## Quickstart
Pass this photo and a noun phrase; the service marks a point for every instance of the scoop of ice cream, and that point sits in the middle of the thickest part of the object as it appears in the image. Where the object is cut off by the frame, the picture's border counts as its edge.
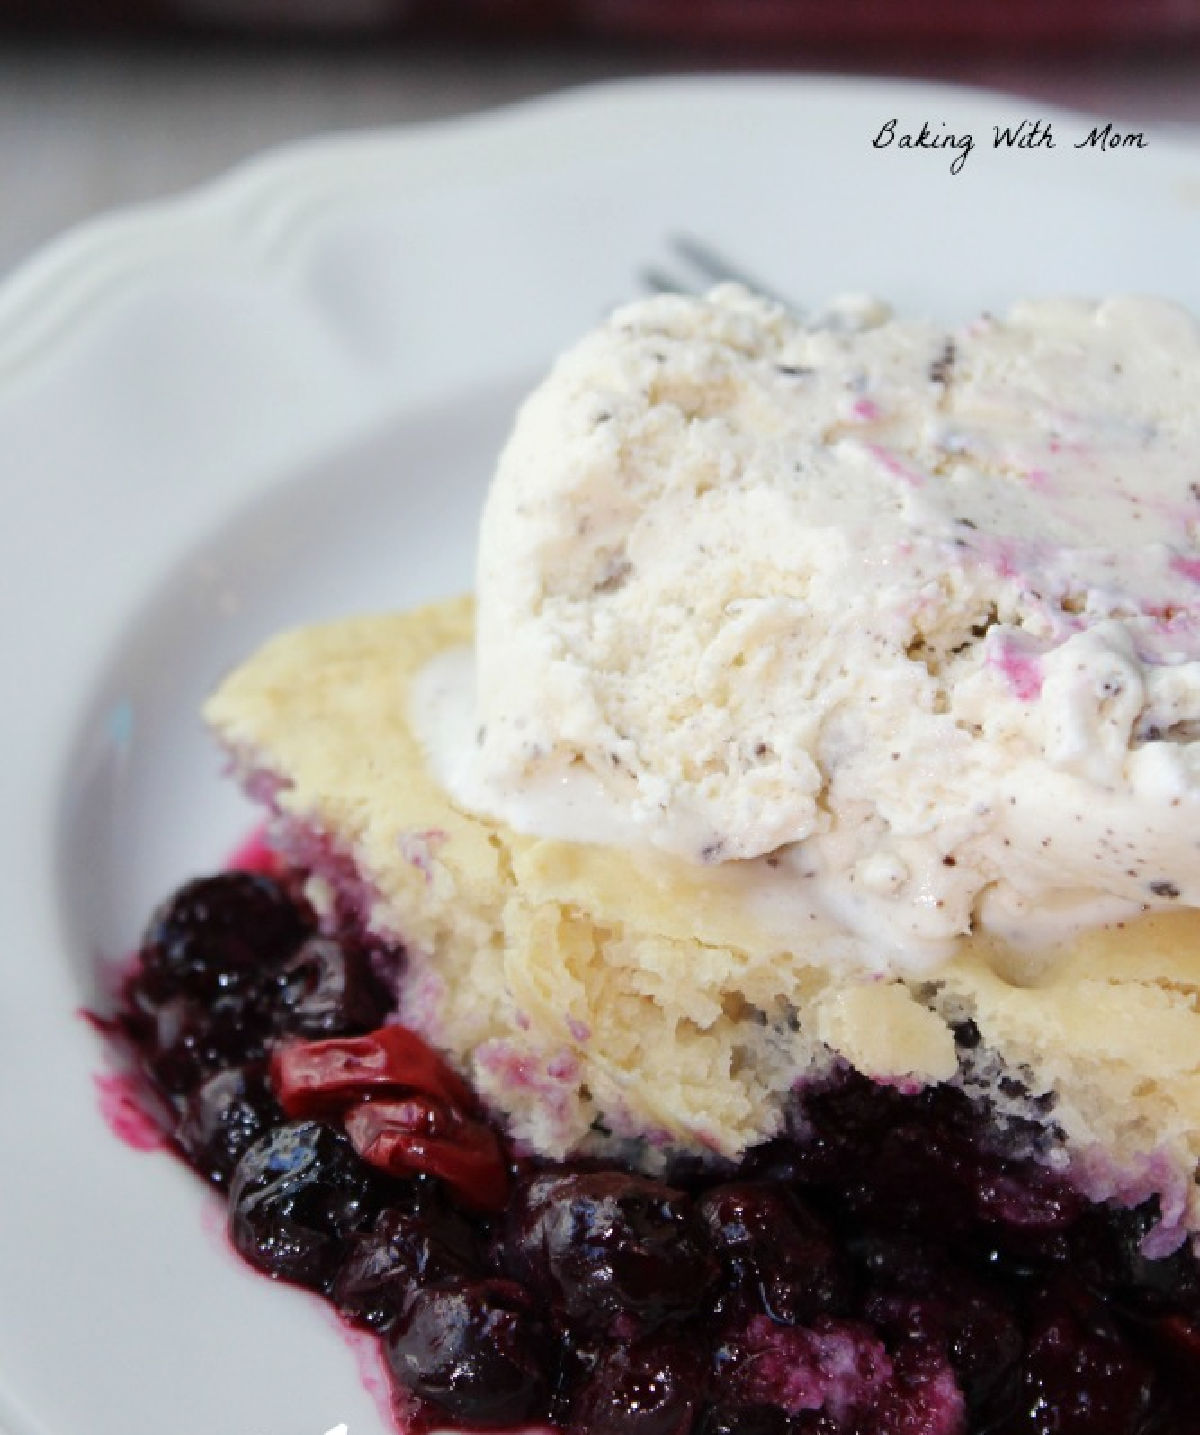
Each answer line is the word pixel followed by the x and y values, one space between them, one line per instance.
pixel 906 622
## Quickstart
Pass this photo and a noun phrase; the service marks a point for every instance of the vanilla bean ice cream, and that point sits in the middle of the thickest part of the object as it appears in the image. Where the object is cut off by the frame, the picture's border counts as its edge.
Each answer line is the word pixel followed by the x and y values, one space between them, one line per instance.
pixel 905 623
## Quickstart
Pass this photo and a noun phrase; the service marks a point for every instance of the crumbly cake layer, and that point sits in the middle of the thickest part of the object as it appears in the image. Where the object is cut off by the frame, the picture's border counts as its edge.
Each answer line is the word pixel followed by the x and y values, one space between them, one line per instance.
pixel 594 995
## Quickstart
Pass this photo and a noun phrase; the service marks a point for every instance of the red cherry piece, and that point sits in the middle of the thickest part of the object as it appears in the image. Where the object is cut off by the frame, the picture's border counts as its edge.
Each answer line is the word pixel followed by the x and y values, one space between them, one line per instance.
pixel 419 1134
pixel 321 1078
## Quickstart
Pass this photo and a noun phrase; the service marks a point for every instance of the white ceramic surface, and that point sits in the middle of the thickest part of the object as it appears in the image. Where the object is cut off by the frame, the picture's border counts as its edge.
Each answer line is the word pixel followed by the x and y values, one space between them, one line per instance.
pixel 278 400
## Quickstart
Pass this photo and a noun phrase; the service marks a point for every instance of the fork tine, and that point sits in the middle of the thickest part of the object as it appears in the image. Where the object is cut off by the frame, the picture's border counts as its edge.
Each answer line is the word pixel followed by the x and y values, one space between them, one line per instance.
pixel 719 270
pixel 658 281
pixel 709 268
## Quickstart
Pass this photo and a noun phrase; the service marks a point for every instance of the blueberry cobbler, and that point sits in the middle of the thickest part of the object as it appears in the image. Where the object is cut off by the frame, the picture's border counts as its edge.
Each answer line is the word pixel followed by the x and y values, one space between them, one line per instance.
pixel 739 973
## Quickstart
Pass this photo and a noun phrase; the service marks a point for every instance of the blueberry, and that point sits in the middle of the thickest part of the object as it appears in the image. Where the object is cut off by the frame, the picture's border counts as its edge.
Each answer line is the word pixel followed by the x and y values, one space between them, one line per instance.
pixel 921 1180
pixel 1028 1199
pixel 819 1422
pixel 217 933
pixel 296 1197
pixel 775 1247
pixel 915 1296
pixel 476 1350
pixel 729 1419
pixel 224 1116
pixel 921 1398
pixel 403 1251
pixel 1176 1342
pixel 1107 1250
pixel 1080 1376
pixel 327 988
pixel 983 1342
pixel 607 1244
pixel 890 1159
pixel 188 1039
pixel 653 1386
pixel 832 1364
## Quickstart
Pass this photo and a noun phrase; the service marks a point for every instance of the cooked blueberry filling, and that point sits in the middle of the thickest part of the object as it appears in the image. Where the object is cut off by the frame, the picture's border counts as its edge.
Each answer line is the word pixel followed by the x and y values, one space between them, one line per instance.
pixel 892 1267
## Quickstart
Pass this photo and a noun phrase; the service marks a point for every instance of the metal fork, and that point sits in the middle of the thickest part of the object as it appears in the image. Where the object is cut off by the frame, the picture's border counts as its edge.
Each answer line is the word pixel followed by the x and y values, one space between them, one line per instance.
pixel 703 266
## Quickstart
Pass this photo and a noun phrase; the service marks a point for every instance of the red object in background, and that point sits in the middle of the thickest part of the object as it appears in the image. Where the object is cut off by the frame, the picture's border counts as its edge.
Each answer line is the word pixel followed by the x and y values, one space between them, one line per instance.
pixel 764 22
pixel 765 26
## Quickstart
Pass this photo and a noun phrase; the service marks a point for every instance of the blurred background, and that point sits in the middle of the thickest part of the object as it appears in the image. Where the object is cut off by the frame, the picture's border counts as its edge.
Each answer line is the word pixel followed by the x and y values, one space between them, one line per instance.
pixel 107 102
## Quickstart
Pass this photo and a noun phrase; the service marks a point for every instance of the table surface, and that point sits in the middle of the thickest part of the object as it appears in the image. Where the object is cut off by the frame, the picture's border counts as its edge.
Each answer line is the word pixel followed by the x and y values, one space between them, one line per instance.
pixel 84 129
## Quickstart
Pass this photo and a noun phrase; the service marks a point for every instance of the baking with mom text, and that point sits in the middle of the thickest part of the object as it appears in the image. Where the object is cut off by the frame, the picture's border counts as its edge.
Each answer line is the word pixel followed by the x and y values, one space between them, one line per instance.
pixel 1035 134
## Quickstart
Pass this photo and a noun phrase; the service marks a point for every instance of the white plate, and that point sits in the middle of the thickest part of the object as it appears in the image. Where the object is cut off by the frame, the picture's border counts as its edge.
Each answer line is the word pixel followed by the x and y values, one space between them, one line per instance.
pixel 280 399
